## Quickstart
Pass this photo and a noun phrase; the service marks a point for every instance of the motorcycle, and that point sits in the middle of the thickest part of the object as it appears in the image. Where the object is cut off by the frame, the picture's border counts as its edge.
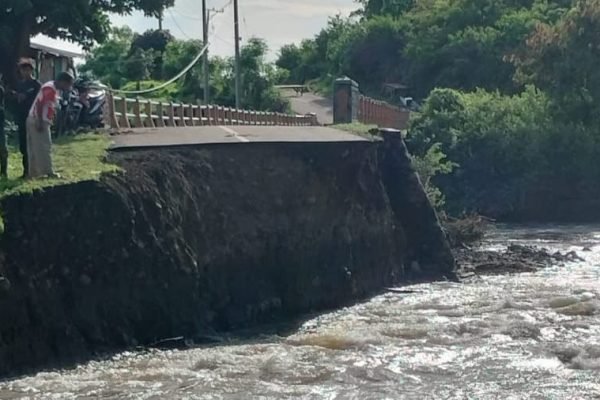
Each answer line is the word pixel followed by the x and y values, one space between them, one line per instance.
pixel 82 107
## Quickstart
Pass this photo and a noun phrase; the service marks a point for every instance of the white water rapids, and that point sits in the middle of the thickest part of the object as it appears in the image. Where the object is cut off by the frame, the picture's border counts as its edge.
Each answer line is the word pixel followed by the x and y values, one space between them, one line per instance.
pixel 527 336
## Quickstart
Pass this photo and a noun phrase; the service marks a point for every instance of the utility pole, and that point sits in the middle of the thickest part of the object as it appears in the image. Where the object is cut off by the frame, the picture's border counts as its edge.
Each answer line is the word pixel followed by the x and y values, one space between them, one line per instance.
pixel 236 22
pixel 205 70
pixel 160 20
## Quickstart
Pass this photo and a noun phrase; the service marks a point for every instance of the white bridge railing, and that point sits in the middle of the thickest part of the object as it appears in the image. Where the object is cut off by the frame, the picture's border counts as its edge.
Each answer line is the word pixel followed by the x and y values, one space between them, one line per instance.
pixel 125 113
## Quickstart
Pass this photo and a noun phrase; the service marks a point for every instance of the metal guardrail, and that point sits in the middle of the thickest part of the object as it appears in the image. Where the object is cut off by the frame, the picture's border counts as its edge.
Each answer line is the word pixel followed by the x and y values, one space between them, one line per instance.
pixel 380 113
pixel 125 113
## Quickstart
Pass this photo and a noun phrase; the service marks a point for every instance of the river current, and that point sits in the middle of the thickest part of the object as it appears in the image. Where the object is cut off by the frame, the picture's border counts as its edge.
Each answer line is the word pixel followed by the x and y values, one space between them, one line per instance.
pixel 526 336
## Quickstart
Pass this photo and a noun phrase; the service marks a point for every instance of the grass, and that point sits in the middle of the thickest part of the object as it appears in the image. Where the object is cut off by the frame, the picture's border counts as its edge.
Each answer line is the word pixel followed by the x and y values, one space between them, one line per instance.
pixel 358 129
pixel 75 158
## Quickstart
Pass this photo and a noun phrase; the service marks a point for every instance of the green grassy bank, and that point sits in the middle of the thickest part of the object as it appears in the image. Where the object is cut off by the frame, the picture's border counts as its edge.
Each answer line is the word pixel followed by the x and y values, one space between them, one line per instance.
pixel 76 158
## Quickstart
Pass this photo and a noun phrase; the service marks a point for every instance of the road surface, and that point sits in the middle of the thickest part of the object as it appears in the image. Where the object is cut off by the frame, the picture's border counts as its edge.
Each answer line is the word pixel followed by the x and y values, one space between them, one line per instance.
pixel 311 103
pixel 175 136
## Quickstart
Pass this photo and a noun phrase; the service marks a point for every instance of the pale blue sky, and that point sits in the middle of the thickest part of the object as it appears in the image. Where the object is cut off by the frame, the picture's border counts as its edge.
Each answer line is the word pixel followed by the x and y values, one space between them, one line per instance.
pixel 277 21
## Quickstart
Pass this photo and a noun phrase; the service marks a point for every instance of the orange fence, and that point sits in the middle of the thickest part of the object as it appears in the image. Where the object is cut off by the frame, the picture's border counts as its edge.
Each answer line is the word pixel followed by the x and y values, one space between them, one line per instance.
pixel 124 113
pixel 385 115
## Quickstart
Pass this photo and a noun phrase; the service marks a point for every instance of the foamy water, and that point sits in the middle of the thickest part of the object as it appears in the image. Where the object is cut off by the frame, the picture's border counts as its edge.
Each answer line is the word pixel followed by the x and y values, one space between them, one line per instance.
pixel 528 336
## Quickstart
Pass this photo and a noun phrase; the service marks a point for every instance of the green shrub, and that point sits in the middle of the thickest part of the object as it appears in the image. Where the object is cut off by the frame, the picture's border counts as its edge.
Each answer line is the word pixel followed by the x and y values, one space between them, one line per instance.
pixel 169 93
pixel 513 158
pixel 433 163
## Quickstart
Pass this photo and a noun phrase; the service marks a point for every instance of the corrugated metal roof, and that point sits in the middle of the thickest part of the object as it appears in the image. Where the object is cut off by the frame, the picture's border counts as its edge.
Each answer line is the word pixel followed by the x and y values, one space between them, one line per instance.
pixel 54 50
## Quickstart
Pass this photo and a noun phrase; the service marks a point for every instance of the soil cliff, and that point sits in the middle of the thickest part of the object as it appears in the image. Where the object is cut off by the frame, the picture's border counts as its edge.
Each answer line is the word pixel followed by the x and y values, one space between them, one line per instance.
pixel 189 241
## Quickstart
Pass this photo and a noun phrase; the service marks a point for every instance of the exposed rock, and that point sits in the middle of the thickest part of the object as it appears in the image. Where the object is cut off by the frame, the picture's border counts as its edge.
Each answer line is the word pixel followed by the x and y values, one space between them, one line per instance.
pixel 466 230
pixel 515 259
pixel 171 343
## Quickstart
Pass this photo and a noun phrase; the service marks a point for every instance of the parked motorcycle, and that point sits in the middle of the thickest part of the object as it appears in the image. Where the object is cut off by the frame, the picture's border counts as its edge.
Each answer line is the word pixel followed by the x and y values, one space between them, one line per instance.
pixel 82 107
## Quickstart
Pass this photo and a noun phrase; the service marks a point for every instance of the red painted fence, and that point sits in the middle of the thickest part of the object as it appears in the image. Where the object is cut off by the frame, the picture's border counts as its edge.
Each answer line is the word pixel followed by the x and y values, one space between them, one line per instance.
pixel 382 114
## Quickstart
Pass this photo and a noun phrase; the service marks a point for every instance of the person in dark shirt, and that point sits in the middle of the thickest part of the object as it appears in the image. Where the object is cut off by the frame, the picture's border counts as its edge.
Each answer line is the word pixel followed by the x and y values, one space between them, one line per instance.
pixel 3 145
pixel 27 90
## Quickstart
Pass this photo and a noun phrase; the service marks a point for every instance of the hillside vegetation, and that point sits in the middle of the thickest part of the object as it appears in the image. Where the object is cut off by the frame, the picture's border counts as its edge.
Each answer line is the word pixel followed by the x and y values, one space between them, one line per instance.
pixel 510 92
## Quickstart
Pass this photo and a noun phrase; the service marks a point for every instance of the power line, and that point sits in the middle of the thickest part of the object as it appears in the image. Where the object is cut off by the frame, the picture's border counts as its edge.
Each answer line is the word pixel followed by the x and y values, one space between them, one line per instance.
pixel 167 83
pixel 174 79
pixel 224 6
pixel 228 42
pixel 212 32
pixel 177 25
pixel 193 17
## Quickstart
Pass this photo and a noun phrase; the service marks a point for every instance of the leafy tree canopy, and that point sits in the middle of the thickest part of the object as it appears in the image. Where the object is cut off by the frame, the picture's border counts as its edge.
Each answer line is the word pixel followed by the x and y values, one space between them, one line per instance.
pixel 153 39
pixel 563 60
pixel 79 21
pixel 371 8
pixel 106 61
pixel 122 62
pixel 462 44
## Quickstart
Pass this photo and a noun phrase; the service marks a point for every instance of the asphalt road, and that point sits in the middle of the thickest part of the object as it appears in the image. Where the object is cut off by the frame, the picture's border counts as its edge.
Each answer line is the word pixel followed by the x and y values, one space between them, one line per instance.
pixel 311 103
pixel 164 137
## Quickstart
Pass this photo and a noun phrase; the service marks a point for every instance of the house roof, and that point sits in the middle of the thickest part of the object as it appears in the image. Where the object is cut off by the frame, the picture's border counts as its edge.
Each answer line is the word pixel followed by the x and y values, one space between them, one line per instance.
pixel 55 50
pixel 395 86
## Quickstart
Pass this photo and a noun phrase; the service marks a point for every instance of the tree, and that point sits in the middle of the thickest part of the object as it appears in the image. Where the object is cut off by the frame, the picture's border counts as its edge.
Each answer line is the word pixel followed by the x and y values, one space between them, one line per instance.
pixel 321 58
pixel 177 56
pixel 153 39
pixel 122 64
pixel 157 41
pixel 83 22
pixel 138 65
pixel 462 44
pixel 371 8
pixel 290 59
pixel 303 62
pixel 258 78
pixel 106 61
pixel 563 60
pixel 514 155
pixel 374 55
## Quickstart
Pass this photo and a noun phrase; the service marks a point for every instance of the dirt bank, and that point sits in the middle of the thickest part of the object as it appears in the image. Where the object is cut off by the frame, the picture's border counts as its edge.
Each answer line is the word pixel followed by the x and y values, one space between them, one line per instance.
pixel 192 241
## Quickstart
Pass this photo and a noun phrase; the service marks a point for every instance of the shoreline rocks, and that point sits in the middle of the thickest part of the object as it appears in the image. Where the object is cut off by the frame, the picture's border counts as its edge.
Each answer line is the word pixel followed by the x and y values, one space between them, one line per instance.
pixel 514 259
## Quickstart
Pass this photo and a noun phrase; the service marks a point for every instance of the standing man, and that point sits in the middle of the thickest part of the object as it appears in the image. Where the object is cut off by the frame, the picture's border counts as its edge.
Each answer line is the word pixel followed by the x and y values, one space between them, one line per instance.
pixel 39 121
pixel 27 88
pixel 3 145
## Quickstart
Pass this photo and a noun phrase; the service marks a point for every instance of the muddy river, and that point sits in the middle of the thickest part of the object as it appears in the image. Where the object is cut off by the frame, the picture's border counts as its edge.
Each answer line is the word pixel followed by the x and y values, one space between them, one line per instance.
pixel 528 336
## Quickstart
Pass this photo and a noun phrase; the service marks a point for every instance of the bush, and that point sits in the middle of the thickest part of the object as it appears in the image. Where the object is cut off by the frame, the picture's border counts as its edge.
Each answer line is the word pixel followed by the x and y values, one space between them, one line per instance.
pixel 169 93
pixel 433 163
pixel 514 159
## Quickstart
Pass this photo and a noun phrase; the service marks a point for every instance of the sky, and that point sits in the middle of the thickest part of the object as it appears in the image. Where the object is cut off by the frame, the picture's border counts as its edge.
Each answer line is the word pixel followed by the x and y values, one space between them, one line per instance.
pixel 278 21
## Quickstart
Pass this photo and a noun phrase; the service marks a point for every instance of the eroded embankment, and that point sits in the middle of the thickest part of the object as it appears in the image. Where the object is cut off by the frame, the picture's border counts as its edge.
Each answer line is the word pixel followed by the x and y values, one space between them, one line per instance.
pixel 193 240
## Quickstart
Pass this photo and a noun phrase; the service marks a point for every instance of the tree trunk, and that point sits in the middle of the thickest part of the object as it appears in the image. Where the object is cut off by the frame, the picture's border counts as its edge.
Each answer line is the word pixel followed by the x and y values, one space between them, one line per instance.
pixel 21 40
pixel 6 62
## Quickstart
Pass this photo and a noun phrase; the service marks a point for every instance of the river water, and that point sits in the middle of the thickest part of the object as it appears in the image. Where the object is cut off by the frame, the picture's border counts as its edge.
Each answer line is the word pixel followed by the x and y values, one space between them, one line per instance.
pixel 528 336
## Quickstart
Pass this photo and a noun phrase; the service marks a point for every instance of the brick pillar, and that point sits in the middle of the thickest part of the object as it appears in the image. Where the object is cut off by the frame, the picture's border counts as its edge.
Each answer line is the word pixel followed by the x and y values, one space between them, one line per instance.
pixel 345 101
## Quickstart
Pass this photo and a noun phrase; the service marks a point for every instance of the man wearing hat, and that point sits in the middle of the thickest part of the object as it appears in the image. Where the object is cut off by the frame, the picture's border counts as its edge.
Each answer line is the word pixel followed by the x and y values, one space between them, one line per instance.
pixel 26 90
